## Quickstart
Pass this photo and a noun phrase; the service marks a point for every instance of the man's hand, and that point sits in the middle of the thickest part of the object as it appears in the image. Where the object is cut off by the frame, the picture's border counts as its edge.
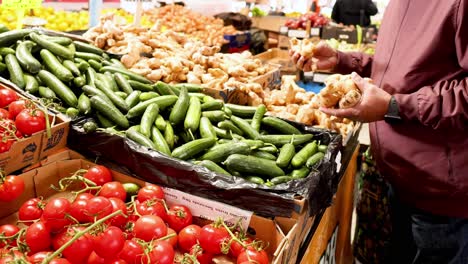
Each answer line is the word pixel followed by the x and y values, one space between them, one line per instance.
pixel 325 58
pixel 372 107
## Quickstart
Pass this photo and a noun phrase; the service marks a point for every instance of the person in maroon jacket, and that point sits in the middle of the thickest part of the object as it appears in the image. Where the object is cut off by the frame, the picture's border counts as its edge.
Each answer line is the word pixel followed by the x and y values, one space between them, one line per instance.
pixel 418 114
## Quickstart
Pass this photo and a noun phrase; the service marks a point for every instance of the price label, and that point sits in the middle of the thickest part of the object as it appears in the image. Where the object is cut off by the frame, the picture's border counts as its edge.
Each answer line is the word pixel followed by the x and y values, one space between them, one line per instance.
pixel 298 34
pixel 315 31
pixel 283 30
pixel 21 4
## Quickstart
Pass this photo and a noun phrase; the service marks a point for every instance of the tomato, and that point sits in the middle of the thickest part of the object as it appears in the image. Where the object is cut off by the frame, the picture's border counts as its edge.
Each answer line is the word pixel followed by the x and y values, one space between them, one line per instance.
pixel 8 231
pixel 113 189
pixel 38 257
pixel 7 96
pixel 5 143
pixel 59 261
pixel 188 237
pixel 95 259
pixel 211 238
pixel 15 108
pixel 11 187
pixel 203 257
pixel 99 175
pixel 84 196
pixel 161 253
pixel 4 113
pixel 30 121
pixel 55 214
pixel 38 237
pixel 79 250
pixel 150 192
pixel 116 261
pixel 172 240
pixel 179 216
pixel 151 207
pixel 7 125
pixel 149 227
pixel 109 243
pixel 31 210
pixel 78 210
pixel 132 252
pixel 236 248
pixel 12 256
pixel 121 219
pixel 251 255
pixel 98 207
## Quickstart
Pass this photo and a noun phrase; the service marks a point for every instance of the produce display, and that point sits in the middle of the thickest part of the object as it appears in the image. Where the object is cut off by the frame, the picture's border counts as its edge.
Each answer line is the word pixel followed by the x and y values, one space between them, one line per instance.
pixel 315 19
pixel 340 91
pixel 106 221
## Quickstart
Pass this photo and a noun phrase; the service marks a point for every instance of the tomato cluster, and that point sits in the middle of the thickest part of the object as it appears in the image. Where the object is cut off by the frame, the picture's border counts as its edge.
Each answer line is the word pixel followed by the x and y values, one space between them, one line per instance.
pixel 18 118
pixel 101 225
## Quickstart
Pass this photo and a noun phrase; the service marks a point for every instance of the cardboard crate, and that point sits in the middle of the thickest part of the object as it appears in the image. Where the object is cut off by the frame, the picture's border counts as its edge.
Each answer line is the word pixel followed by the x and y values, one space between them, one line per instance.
pixel 30 150
pixel 279 233
pixel 280 57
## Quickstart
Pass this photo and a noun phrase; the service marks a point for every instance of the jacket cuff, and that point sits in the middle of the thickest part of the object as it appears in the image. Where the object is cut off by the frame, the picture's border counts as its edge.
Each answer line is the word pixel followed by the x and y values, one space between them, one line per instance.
pixel 408 106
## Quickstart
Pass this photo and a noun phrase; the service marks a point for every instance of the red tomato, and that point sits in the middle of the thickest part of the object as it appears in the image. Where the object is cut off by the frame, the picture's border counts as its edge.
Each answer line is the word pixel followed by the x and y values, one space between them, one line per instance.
pixel 121 219
pixel 7 124
pixel 179 216
pixel 30 121
pixel 84 196
pixel 150 192
pixel 8 231
pixel 38 257
pixel 203 257
pixel 113 189
pixel 59 261
pixel 98 207
pixel 109 243
pixel 172 240
pixel 117 261
pixel 55 214
pixel 79 250
pixel 235 249
pixel 31 210
pixel 151 207
pixel 161 253
pixel 251 255
pixel 211 238
pixel 5 144
pixel 95 259
pixel 4 114
pixel 149 227
pixel 98 174
pixel 38 237
pixel 15 108
pixel 6 97
pixel 188 237
pixel 78 210
pixel 12 256
pixel 132 252
pixel 11 187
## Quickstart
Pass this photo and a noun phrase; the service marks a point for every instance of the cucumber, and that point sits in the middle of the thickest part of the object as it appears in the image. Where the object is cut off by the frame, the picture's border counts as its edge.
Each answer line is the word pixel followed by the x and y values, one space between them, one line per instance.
pixel 227 111
pixel 242 110
pixel 162 101
pixel 280 126
pixel 91 76
pixel 72 112
pixel 300 173
pixel 221 133
pixel 322 148
pixel 46 93
pixel 208 98
pixel 206 128
pixel 109 111
pixel 133 99
pixel 258 116
pixel 163 88
pixel 190 149
pixel 148 95
pixel 26 59
pixel 280 140
pixel 95 64
pixel 105 123
pixel 92 91
pixel 121 94
pixel 179 111
pixel 280 179
pixel 263 155
pixel 169 135
pixel 212 105
pixel 314 159
pixel 160 123
pixel 255 179
pixel 192 119
pixel 3 67
pixel 245 127
pixel 191 88
pixel 71 66
pixel 133 134
pixel 270 149
pixel 85 47
pixel 116 100
pixel 109 78
pixel 122 83
pixel 305 153
pixel 10 37
pixel 229 126
pixel 219 153
pixel 55 67
pixel 136 85
pixel 59 40
pixel 254 144
pixel 131 75
pixel 159 141
pixel 286 154
pixel 197 95
pixel 214 116
pixel 84 104
pixel 252 165
pixel 5 51
pixel 62 91
pixel 54 48
pixel 90 127
pixel 212 167
pixel 117 63
pixel 15 71
pixel 32 85
pixel 88 56
pixel 148 118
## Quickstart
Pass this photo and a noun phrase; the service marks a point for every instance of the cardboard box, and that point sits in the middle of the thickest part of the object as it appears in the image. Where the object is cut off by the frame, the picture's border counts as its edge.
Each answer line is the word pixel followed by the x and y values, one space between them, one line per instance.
pixel 277 233
pixel 280 57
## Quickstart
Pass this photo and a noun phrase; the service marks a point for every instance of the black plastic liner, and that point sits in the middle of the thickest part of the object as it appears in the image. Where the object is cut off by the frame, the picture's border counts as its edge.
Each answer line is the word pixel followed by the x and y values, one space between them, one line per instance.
pixel 152 166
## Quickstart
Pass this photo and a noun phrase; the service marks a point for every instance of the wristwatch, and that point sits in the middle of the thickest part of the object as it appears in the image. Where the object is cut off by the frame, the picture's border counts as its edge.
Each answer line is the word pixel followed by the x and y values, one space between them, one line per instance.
pixel 393 112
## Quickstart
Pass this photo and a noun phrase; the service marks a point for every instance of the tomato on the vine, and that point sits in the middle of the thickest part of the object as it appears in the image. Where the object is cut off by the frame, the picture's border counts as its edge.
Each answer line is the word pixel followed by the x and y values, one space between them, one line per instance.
pixel 15 108
pixel 11 187
pixel 98 207
pixel 38 237
pixel 113 189
pixel 7 96
pixel 212 237
pixel 55 214
pixel 150 192
pixel 8 231
pixel 38 257
pixel 59 261
pixel 132 252
pixel 161 253
pixel 109 243
pixel 121 219
pixel 203 257
pixel 252 255
pixel 5 143
pixel 94 258
pixel 179 216
pixel 149 227
pixel 188 237
pixel 79 250
pixel 31 210
pixel 99 175
pixel 173 239
pixel 78 210
pixel 4 113
pixel 84 196
pixel 30 121
pixel 236 248
pixel 151 207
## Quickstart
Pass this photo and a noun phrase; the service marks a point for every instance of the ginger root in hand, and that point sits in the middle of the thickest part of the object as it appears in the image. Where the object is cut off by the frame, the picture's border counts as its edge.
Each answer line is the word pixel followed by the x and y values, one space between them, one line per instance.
pixel 341 91
pixel 304 47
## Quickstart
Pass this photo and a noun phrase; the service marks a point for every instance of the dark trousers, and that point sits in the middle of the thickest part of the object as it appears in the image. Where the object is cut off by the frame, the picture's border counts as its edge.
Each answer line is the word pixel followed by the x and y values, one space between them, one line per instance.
pixel 421 237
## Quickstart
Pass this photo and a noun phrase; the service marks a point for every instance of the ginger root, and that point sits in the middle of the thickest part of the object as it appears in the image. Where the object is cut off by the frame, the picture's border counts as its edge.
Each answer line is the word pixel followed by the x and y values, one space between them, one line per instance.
pixel 341 91
pixel 305 47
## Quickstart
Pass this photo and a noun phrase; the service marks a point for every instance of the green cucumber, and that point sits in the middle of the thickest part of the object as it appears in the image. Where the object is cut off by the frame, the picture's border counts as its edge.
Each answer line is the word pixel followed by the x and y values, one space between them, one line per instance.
pixel 192 148
pixel 159 141
pixel 93 91
pixel 169 135
pixel 148 95
pixel 304 154
pixel 270 149
pixel 72 112
pixel 117 63
pixel 55 67
pixel 315 159
pixel 179 111
pixel 95 64
pixel 133 99
pixel 116 100
pixel 285 156
pixel 148 118
pixel 46 93
pixel 280 179
pixel 280 140
pixel 191 88
pixel 300 173
pixel 162 101
pixel 322 148
pixel 133 134
pixel 252 165
pixel 109 78
pixel 71 66
pixel 210 165
pixel 54 48
pixel 84 104
pixel 263 155
pixel 254 144
pixel 62 91
pixel 121 94
pixel 219 153
pixel 59 40
pixel 255 179
pixel 280 126
pixel 221 133
pixel 88 56
pixel 26 59
pixel 245 127
pixel 79 81
pixel 192 119
pixel 10 37
pixel 215 115
pixel 206 128
pixel 105 123
pixel 212 105
pixel 123 83
pixel 15 71
pixel 160 123
pixel 32 85
pixel 258 116
pixel 109 111
pixel 85 47
pixel 163 88
pixel 131 75
pixel 140 86
pixel 5 51
pixel 242 110
pixel 229 126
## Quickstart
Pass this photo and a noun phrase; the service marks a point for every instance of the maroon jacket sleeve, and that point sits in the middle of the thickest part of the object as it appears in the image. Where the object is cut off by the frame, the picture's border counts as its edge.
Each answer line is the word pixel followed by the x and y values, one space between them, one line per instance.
pixel 358 62
pixel 443 105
